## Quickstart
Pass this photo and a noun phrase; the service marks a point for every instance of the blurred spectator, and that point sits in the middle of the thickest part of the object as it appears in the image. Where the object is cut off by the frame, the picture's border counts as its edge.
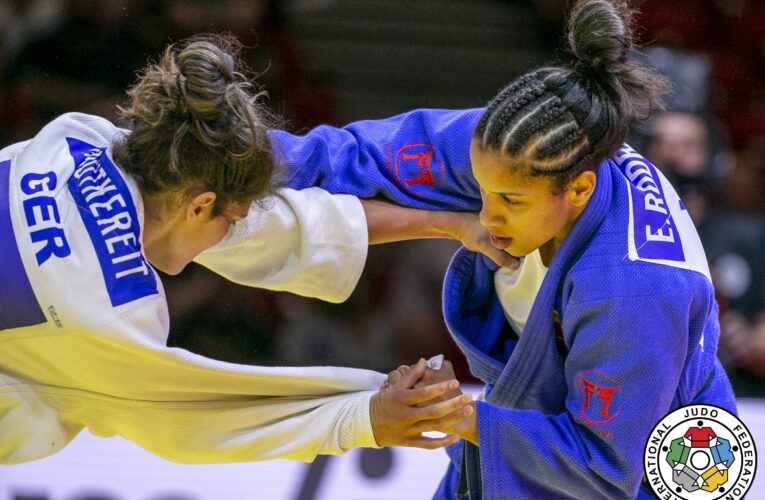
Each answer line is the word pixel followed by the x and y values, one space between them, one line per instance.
pixel 678 143
pixel 723 194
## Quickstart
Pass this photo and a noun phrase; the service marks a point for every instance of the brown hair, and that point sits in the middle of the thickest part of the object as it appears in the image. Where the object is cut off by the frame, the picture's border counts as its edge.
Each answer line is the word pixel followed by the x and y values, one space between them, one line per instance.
pixel 196 123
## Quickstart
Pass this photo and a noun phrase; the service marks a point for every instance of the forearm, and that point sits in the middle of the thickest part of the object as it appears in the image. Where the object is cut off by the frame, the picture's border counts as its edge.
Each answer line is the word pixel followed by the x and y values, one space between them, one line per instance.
pixel 247 430
pixel 387 223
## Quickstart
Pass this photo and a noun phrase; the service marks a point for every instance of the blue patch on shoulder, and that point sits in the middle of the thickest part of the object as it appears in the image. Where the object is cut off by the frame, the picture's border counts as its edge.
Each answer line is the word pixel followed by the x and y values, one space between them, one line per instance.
pixel 656 234
pixel 107 210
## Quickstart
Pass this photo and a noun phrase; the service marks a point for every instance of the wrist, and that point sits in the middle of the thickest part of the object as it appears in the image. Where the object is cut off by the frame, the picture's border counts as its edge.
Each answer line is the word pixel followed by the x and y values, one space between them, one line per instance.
pixel 374 411
pixel 454 225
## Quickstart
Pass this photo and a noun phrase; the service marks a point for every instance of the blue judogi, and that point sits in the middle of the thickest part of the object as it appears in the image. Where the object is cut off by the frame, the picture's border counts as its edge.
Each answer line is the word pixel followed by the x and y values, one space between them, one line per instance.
pixel 623 330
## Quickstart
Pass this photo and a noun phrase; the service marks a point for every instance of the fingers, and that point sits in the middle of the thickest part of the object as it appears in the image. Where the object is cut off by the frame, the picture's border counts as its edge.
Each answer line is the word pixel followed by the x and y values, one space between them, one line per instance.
pixel 429 392
pixel 445 423
pixel 443 408
pixel 395 375
pixel 414 374
pixel 429 443
pixel 502 258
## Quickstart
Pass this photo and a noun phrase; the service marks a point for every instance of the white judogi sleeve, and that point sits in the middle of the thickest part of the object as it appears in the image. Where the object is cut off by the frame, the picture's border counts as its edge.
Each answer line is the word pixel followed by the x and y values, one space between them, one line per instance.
pixel 308 242
pixel 84 320
pixel 177 405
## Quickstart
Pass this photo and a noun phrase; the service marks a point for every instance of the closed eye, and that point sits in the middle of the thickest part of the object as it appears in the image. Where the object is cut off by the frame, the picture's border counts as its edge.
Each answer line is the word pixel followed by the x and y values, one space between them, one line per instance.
pixel 510 201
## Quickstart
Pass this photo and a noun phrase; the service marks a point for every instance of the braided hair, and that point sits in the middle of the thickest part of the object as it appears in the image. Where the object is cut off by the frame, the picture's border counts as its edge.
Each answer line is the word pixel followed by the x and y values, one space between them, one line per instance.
pixel 563 119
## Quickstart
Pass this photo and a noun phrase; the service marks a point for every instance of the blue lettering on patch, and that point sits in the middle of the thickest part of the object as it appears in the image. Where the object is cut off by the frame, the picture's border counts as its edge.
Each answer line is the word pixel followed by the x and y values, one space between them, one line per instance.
pixel 656 234
pixel 42 217
pixel 18 303
pixel 107 209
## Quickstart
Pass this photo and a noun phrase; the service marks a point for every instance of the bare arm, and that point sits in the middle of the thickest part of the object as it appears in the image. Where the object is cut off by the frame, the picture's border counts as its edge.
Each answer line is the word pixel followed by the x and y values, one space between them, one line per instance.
pixel 387 223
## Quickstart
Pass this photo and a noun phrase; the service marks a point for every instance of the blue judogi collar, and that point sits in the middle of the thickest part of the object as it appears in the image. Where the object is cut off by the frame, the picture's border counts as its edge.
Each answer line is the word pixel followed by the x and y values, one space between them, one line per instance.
pixel 476 321
pixel 475 317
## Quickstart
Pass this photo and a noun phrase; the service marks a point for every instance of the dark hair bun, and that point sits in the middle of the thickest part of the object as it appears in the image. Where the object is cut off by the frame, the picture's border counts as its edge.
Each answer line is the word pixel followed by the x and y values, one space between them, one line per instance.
pixel 206 73
pixel 600 34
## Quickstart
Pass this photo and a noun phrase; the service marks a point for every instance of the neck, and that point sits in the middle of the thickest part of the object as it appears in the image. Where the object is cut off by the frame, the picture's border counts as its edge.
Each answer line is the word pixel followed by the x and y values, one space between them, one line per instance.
pixel 156 225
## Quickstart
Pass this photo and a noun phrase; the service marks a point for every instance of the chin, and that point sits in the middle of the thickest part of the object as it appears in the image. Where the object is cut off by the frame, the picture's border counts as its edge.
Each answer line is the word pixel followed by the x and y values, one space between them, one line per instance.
pixel 173 271
pixel 517 252
pixel 169 268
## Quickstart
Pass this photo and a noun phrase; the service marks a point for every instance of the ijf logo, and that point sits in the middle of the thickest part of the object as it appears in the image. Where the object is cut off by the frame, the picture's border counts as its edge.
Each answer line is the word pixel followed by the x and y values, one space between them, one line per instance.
pixel 418 165
pixel 700 452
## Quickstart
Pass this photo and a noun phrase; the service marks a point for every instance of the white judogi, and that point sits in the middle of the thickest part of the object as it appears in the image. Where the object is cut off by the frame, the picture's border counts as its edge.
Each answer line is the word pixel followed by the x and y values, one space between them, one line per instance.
pixel 84 321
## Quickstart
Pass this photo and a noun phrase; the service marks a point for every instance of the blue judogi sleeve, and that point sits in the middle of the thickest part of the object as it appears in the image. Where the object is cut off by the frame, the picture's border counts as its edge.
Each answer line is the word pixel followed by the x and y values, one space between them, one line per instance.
pixel 628 339
pixel 419 159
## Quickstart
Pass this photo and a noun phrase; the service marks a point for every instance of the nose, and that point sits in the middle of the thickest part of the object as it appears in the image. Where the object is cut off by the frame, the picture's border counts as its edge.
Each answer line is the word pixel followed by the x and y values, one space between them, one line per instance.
pixel 490 217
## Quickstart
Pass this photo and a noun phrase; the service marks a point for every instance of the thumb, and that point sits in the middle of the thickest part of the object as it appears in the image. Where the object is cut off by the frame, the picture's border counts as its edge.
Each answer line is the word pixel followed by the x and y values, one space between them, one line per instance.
pixel 503 259
pixel 415 374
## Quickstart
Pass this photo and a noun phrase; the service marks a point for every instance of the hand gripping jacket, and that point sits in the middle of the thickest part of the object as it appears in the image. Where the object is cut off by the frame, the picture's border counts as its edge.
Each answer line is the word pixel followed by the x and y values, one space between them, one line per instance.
pixel 624 328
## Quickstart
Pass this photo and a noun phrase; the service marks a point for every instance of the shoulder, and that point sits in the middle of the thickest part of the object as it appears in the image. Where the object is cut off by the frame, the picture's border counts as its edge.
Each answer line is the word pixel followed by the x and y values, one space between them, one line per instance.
pixel 89 127
pixel 615 279
pixel 52 140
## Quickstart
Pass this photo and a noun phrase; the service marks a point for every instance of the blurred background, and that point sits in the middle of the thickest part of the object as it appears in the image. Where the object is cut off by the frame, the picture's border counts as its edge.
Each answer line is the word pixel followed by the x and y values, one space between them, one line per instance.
pixel 335 61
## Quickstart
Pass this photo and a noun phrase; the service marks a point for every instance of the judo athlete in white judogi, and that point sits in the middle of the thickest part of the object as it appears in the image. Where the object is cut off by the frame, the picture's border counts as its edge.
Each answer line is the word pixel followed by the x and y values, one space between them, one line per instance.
pixel 84 318
pixel 83 315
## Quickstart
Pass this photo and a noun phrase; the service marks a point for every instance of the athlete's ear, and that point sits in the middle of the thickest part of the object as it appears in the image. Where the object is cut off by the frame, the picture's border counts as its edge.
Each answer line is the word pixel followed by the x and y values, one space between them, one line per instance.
pixel 201 206
pixel 581 187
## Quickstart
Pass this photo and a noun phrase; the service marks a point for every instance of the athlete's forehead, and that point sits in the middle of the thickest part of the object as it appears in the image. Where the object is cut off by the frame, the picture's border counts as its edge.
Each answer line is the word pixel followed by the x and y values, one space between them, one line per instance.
pixel 499 174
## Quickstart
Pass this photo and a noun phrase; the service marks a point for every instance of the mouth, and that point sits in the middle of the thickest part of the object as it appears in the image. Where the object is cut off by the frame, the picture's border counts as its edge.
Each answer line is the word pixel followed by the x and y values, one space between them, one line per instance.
pixel 500 243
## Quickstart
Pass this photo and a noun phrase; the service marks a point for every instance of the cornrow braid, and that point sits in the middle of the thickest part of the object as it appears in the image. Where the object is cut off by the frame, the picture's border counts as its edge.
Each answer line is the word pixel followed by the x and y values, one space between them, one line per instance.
pixel 503 110
pixel 560 142
pixel 560 120
pixel 582 157
pixel 534 123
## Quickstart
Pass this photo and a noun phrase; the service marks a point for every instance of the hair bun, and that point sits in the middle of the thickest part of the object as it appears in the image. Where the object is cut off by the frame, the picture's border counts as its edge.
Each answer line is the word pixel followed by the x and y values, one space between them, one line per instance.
pixel 599 34
pixel 196 122
pixel 206 69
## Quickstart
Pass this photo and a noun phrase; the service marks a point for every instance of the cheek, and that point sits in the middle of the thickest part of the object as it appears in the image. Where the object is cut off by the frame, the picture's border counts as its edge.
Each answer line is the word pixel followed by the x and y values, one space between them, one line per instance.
pixel 544 221
pixel 557 214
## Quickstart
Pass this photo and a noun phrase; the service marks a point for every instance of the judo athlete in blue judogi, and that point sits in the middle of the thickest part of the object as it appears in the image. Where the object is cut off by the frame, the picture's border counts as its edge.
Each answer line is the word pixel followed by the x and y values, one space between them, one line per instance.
pixel 610 322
